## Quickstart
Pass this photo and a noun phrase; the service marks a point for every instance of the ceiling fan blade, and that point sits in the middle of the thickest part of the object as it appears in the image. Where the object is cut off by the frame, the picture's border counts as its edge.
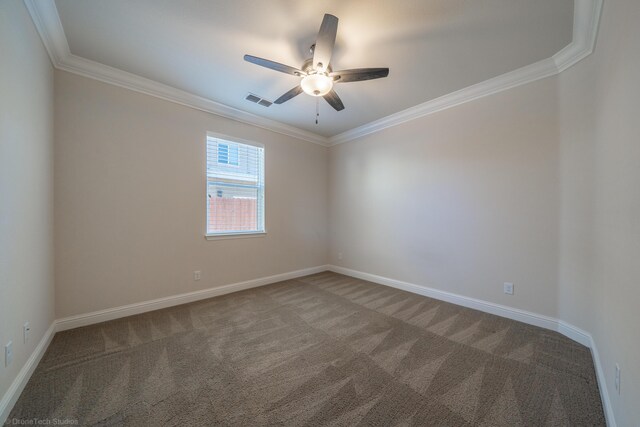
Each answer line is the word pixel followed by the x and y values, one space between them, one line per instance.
pixel 274 65
pixel 359 74
pixel 287 96
pixel 325 42
pixel 334 100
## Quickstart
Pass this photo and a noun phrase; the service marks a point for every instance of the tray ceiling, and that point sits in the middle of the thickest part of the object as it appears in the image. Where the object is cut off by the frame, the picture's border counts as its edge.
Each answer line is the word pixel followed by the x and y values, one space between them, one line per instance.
pixel 434 48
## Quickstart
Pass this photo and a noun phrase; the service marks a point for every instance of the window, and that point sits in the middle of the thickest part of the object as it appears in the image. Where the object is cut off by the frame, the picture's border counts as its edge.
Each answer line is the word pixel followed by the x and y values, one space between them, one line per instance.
pixel 235 188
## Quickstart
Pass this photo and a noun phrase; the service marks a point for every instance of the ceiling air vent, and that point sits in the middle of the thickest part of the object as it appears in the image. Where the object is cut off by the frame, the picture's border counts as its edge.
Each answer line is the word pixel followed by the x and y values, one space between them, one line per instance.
pixel 257 100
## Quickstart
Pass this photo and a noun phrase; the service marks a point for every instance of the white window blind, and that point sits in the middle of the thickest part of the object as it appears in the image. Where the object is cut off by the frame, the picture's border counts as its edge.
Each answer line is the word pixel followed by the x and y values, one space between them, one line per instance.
pixel 235 187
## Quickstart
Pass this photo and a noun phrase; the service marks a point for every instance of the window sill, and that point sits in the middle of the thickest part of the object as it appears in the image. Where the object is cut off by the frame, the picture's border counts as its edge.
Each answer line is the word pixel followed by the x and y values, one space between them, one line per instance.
pixel 226 236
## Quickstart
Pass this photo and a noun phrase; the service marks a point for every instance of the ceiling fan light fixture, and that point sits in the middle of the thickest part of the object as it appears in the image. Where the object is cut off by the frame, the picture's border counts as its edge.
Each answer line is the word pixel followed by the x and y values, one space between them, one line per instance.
pixel 318 84
pixel 318 77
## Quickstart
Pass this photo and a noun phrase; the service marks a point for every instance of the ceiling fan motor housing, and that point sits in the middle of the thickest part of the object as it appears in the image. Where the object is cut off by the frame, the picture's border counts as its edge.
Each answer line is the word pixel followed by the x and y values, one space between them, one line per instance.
pixel 307 67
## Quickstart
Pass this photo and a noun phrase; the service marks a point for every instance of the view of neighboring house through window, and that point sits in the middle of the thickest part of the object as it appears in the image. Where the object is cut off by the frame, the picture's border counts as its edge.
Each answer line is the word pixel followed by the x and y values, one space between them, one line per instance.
pixel 228 154
pixel 235 187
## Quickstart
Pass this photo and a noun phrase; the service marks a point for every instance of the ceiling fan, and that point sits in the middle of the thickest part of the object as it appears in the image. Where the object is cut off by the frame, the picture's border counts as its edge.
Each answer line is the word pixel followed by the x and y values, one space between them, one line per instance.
pixel 316 72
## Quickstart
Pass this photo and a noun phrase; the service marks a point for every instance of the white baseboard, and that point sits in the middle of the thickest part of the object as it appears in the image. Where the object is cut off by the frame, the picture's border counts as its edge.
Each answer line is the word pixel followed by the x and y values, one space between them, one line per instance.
pixel 585 338
pixel 488 307
pixel 576 334
pixel 566 329
pixel 156 304
pixel 15 389
pixel 602 385
pixel 13 393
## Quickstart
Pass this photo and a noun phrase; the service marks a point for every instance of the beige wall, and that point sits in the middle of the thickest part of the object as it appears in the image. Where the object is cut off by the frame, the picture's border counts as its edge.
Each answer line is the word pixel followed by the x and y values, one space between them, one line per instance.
pixel 539 185
pixel 130 200
pixel 462 200
pixel 26 187
pixel 600 221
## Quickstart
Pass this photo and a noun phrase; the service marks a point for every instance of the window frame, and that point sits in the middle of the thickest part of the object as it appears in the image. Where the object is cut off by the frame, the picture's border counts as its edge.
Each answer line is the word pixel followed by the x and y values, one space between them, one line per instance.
pixel 234 234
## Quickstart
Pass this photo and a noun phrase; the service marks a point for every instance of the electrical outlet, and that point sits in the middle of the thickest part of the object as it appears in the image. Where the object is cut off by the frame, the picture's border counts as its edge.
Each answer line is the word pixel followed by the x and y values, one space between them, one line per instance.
pixel 8 353
pixel 25 332
pixel 197 275
pixel 508 288
pixel 617 378
pixel 339 255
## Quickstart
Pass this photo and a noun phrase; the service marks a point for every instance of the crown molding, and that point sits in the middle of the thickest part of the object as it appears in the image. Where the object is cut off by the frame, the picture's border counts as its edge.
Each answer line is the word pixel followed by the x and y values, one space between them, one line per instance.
pixel 44 15
pixel 47 22
pixel 585 29
pixel 586 18
pixel 527 74
pixel 95 70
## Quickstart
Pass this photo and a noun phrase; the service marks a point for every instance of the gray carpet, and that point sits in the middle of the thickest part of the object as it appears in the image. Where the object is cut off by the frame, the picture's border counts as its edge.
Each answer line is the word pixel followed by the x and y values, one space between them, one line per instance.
pixel 325 349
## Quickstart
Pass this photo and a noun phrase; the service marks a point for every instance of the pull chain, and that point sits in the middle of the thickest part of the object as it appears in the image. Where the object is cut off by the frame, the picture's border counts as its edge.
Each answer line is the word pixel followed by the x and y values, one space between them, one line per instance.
pixel 317 109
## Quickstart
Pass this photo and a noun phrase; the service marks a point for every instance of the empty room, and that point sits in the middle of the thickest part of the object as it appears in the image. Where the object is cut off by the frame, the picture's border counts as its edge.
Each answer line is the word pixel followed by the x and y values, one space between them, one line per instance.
pixel 336 213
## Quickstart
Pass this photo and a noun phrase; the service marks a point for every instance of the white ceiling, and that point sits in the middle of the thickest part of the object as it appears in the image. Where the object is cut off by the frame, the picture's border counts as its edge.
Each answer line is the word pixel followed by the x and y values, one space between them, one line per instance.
pixel 432 47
